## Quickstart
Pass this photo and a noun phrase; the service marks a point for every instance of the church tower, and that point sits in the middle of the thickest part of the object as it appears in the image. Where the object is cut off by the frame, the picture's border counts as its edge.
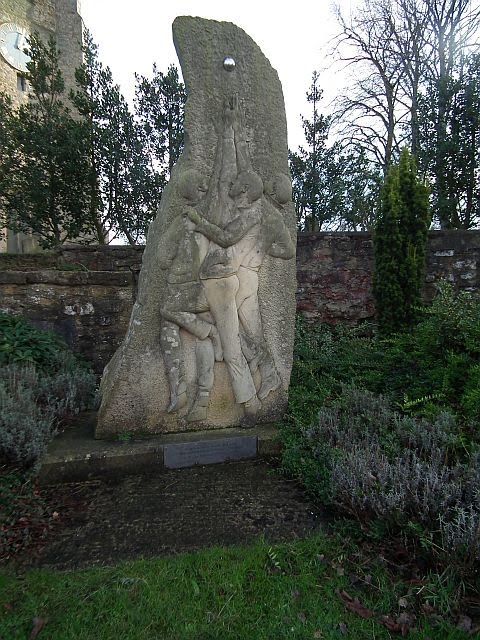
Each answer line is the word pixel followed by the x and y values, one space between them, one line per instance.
pixel 18 19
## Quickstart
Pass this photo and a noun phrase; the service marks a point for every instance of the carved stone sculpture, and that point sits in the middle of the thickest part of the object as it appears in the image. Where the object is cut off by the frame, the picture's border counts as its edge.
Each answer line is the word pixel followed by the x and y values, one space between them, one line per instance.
pixel 210 339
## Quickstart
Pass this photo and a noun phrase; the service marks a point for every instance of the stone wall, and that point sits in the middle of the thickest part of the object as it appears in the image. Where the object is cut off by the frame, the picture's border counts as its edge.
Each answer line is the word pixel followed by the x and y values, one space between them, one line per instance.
pixel 86 293
pixel 334 271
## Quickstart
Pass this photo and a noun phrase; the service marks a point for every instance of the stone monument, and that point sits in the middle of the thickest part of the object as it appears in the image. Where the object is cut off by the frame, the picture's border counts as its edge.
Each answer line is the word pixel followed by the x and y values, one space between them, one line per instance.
pixel 210 339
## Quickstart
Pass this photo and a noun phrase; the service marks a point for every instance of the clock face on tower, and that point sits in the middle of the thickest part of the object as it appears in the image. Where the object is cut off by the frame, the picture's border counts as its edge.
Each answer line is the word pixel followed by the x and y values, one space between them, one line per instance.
pixel 13 40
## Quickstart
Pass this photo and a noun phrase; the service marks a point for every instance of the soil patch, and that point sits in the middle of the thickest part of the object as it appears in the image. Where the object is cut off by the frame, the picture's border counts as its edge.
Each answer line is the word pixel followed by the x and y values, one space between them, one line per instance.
pixel 102 522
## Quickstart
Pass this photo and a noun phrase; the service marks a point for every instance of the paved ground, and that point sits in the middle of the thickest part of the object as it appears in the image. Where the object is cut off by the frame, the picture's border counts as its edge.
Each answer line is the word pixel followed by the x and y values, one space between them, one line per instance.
pixel 100 522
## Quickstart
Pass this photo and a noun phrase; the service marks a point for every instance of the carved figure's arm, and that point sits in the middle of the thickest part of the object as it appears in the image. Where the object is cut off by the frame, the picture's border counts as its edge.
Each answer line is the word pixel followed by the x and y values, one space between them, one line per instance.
pixel 228 169
pixel 281 244
pixel 244 162
pixel 167 248
pixel 232 233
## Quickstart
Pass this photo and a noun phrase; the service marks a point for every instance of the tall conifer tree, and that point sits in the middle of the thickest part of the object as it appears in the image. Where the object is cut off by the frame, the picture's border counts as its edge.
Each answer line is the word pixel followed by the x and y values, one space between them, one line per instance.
pixel 400 246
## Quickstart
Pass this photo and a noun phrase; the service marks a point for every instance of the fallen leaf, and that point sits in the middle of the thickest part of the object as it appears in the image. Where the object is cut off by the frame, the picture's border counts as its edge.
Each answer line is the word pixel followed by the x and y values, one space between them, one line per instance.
pixel 403 603
pixel 406 622
pixel 390 624
pixel 302 617
pixel 343 628
pixel 464 623
pixel 354 605
pixel 317 634
pixel 38 624
pixel 55 514
pixel 427 608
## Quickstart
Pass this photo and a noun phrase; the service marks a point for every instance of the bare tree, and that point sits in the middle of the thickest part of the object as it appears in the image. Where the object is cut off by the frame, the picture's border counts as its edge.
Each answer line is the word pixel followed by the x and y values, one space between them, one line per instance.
pixel 370 113
pixel 402 53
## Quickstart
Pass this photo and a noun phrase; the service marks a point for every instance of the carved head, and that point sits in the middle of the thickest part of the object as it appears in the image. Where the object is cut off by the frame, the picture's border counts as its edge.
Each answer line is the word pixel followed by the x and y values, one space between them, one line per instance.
pixel 279 188
pixel 192 186
pixel 247 188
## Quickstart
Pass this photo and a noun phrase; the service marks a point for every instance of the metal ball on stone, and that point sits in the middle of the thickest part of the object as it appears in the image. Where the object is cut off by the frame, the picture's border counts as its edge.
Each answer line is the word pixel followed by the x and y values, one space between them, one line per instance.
pixel 229 63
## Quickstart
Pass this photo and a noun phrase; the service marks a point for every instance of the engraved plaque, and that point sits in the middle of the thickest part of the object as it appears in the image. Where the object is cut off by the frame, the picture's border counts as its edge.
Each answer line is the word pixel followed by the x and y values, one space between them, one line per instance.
pixel 188 454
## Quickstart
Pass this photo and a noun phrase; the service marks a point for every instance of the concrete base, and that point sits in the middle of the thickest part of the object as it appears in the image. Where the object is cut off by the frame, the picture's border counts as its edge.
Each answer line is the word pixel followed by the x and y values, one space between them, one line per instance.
pixel 75 455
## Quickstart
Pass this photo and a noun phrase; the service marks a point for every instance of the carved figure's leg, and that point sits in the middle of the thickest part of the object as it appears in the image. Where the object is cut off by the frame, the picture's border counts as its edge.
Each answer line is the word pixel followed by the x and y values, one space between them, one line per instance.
pixel 220 294
pixel 205 358
pixel 172 351
pixel 189 321
pixel 199 323
pixel 251 322
pixel 213 335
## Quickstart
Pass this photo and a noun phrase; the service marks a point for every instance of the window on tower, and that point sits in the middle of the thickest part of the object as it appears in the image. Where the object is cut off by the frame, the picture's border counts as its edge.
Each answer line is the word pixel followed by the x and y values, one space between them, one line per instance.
pixel 21 82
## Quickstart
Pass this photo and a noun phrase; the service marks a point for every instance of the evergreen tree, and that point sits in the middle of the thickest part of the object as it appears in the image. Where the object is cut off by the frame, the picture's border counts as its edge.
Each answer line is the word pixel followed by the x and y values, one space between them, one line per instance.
pixel 160 103
pixel 400 246
pixel 44 173
pixel 361 182
pixel 124 187
pixel 316 175
pixel 455 185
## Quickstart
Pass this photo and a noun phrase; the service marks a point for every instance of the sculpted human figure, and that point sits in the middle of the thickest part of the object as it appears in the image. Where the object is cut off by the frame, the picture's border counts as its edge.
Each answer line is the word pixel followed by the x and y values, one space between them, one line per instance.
pixel 237 192
pixel 181 253
pixel 250 238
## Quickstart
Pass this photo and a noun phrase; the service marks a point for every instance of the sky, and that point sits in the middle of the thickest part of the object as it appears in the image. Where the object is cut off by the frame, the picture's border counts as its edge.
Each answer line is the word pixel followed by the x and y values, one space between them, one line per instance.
pixel 294 37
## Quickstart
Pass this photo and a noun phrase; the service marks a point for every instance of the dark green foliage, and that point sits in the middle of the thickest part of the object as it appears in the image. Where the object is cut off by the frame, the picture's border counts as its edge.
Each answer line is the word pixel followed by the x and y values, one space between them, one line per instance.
pixel 432 367
pixel 21 342
pixel 332 189
pixel 160 103
pixel 40 383
pixel 44 164
pixel 400 239
pixel 379 464
pixel 387 427
pixel 7 145
pixel 446 344
pixel 449 154
pixel 124 187
pixel 314 170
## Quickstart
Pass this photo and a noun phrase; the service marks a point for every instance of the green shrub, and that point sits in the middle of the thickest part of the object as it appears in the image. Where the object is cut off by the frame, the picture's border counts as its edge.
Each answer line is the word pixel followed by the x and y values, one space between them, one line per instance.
pixel 31 404
pixel 20 341
pixel 470 400
pixel 400 238
pixel 40 383
pixel 379 465
pixel 26 426
pixel 385 428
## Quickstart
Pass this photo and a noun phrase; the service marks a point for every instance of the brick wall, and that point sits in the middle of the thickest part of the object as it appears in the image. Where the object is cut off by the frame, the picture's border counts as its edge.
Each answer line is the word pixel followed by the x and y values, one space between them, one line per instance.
pixel 86 293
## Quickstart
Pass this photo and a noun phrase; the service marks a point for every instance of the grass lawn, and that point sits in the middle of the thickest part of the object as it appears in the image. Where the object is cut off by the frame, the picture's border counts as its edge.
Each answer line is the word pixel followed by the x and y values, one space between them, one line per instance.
pixel 293 590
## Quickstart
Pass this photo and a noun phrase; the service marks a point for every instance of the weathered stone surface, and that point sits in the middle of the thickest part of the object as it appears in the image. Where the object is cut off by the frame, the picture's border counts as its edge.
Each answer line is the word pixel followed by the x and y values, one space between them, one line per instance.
pixel 168 375
pixel 13 277
pixel 91 318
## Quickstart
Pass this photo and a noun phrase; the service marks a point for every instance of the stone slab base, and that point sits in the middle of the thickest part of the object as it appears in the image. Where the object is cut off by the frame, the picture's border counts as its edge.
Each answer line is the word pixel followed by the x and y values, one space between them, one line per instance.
pixel 75 455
